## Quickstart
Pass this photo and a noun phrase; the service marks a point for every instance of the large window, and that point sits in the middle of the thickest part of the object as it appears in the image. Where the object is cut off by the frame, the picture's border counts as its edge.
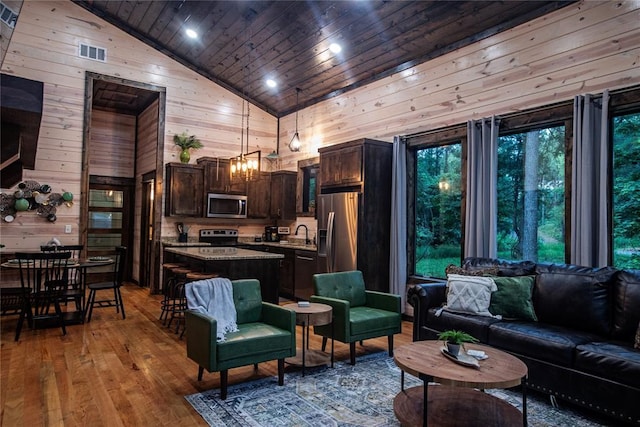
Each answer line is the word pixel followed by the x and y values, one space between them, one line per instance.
pixel 626 190
pixel 531 194
pixel 438 194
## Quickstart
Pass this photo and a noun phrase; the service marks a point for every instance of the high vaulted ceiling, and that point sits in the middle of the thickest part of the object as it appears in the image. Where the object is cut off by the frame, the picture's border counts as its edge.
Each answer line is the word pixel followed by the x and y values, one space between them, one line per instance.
pixel 242 43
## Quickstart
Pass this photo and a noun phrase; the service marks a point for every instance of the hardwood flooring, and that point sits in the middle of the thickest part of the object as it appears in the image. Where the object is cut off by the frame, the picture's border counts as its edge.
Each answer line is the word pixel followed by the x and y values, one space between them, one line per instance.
pixel 115 372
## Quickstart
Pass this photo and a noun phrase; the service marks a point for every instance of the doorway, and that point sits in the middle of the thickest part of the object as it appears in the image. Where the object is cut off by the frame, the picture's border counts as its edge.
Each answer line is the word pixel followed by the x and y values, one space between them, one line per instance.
pixel 146 229
pixel 123 140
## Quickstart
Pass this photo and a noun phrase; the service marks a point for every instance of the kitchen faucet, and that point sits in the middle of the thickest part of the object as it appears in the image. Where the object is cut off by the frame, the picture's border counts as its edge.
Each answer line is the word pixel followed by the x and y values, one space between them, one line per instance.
pixel 306 233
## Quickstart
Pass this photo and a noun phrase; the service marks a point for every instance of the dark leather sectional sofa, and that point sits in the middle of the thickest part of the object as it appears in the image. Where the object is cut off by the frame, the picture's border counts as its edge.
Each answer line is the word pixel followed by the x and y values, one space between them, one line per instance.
pixel 580 349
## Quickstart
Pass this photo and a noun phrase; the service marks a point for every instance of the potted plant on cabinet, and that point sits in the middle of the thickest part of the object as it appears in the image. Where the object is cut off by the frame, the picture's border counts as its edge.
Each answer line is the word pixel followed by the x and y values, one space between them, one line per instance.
pixel 186 142
pixel 454 339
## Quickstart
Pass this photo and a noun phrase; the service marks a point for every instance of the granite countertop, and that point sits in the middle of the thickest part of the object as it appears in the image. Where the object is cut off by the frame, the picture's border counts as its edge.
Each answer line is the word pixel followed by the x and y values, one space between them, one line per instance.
pixel 169 242
pixel 224 253
pixel 290 244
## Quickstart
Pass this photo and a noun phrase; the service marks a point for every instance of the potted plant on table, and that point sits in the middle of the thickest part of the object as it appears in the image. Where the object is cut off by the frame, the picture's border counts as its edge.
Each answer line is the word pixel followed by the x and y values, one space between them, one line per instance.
pixel 454 339
pixel 186 142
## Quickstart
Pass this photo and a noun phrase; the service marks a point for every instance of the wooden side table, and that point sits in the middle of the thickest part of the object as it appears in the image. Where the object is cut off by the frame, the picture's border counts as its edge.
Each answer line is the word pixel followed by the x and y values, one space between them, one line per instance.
pixel 314 314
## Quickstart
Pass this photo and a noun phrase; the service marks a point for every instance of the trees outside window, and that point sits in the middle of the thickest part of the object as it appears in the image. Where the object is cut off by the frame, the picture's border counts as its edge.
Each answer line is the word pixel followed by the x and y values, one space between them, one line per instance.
pixel 626 190
pixel 438 195
pixel 531 194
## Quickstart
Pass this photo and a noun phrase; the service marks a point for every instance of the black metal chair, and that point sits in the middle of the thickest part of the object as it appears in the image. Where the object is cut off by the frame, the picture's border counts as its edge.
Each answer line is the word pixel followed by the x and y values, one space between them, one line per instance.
pixel 13 302
pixel 43 278
pixel 114 284
pixel 74 291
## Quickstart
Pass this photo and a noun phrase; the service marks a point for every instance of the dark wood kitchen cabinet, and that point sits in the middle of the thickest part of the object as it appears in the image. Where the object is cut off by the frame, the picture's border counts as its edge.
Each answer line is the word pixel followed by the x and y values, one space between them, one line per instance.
pixel 258 196
pixel 184 190
pixel 287 269
pixel 283 195
pixel 341 166
pixel 217 177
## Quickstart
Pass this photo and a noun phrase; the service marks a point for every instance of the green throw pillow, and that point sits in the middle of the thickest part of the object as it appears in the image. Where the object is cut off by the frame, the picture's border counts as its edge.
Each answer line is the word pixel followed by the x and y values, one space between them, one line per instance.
pixel 512 300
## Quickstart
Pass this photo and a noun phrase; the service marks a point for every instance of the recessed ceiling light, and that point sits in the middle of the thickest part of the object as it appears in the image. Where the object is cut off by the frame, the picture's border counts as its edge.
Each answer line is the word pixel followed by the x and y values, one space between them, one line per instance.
pixel 271 83
pixel 335 48
pixel 191 33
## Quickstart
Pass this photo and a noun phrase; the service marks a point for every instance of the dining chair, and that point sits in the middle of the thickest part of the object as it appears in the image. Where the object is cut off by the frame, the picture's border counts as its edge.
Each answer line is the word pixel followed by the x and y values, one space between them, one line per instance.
pixel 74 291
pixel 113 284
pixel 43 278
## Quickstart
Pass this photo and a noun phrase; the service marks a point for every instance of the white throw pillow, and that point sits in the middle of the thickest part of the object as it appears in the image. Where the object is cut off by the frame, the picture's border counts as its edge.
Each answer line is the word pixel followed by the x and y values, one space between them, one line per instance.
pixel 469 294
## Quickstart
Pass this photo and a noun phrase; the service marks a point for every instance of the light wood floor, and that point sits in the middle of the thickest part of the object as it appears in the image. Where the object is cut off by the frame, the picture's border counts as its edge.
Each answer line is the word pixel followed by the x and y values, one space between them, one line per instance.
pixel 115 372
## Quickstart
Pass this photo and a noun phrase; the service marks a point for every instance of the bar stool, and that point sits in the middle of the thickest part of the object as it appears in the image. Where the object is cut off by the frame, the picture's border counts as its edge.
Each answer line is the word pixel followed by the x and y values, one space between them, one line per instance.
pixel 169 279
pixel 190 277
pixel 174 294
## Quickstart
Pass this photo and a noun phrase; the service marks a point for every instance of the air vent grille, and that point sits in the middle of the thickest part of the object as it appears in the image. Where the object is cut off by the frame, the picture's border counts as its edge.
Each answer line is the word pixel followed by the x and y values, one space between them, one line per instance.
pixel 92 52
pixel 8 16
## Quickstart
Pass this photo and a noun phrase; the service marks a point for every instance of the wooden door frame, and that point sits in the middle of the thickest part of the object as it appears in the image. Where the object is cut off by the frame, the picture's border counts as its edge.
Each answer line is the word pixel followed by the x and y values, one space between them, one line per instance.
pixel 90 78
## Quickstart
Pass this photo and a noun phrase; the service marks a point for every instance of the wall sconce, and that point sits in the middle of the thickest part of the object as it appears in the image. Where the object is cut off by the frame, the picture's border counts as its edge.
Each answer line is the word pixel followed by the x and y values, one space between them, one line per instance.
pixel 295 143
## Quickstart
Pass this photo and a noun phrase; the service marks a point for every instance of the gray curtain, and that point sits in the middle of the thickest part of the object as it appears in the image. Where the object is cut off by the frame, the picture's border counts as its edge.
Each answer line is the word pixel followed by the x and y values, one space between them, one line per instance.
pixel 481 218
pixel 589 178
pixel 398 257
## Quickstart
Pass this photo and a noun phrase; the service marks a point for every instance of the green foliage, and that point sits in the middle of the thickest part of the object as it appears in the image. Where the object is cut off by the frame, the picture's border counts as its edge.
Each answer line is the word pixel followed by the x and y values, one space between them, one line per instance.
pixel 626 189
pixel 456 337
pixel 185 141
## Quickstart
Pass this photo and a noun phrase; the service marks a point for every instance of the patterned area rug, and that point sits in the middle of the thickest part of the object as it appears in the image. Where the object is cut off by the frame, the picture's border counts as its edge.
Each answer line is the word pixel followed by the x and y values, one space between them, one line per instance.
pixel 360 395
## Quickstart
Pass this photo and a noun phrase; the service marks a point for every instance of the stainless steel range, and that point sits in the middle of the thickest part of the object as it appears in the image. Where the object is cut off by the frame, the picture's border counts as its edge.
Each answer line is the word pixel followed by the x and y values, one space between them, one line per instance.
pixel 219 237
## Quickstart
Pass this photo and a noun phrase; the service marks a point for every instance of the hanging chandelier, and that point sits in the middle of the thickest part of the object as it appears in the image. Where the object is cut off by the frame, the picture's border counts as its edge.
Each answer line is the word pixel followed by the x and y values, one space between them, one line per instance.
pixel 247 165
pixel 295 143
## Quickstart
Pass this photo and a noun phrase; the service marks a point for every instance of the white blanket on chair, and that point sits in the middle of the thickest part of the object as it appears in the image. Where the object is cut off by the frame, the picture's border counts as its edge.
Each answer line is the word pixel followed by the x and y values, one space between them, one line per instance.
pixel 214 297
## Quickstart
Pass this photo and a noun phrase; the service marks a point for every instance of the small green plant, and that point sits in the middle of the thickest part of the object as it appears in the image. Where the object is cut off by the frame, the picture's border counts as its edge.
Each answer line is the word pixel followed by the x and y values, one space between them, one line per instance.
pixel 456 337
pixel 185 141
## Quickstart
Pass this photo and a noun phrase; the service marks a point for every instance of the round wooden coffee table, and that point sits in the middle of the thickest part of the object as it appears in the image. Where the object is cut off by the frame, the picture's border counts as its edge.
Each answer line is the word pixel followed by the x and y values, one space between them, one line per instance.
pixel 456 400
pixel 314 314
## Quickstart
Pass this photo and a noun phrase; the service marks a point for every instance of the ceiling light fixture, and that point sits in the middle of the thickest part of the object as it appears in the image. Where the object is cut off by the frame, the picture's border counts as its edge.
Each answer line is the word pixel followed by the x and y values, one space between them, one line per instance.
pixel 191 33
pixel 246 165
pixel 295 143
pixel 271 83
pixel 335 48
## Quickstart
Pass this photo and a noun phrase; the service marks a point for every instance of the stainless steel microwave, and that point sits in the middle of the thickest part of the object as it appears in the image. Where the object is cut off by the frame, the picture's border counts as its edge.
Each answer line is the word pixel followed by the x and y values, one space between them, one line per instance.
pixel 226 206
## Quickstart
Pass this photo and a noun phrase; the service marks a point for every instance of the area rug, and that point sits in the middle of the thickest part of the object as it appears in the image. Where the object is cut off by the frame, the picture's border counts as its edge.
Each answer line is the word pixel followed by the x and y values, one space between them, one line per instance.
pixel 360 395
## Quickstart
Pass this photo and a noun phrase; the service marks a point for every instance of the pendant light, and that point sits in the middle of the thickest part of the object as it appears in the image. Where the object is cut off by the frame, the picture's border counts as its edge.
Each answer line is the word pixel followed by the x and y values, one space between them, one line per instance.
pixel 246 165
pixel 295 143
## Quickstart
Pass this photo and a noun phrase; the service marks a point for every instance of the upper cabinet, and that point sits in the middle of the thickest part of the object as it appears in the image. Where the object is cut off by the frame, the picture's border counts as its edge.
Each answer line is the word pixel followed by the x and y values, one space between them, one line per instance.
pixel 217 177
pixel 258 196
pixel 283 195
pixel 346 165
pixel 184 190
pixel 341 167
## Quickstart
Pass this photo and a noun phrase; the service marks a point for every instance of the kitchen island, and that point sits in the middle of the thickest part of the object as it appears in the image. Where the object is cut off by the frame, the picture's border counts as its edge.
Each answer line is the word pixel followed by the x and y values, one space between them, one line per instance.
pixel 233 263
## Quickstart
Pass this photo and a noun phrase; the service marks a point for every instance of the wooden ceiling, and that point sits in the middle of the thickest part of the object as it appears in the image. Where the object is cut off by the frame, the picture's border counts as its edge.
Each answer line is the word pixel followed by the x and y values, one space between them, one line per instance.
pixel 242 43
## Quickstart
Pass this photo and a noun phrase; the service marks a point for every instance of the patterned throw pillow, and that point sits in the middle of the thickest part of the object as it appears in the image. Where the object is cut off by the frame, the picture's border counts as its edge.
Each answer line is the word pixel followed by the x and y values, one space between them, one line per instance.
pixel 454 269
pixel 638 337
pixel 469 294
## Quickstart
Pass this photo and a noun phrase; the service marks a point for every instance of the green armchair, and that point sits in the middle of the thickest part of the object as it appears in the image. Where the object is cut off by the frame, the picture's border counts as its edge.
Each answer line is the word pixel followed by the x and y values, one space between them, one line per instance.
pixel 265 332
pixel 358 314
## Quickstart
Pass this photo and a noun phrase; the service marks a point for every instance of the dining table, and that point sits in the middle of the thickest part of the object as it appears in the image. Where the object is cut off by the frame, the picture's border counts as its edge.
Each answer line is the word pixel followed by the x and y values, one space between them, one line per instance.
pixel 79 292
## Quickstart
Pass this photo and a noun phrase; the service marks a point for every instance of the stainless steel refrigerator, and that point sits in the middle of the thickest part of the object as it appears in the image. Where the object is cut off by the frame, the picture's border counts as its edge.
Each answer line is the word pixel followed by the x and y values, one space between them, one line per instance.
pixel 338 231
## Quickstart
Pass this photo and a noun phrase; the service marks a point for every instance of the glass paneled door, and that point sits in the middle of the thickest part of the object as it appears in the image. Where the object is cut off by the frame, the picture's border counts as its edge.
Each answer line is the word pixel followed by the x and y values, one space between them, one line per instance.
pixel 109 222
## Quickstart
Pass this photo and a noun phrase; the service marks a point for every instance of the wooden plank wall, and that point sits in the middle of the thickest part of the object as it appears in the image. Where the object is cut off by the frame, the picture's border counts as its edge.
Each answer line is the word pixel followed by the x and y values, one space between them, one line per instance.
pixel 44 47
pixel 145 162
pixel 585 47
pixel 112 148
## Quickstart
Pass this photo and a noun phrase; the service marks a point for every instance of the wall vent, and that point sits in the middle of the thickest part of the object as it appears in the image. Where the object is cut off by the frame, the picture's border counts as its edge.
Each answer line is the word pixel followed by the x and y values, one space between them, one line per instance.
pixel 8 16
pixel 92 52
